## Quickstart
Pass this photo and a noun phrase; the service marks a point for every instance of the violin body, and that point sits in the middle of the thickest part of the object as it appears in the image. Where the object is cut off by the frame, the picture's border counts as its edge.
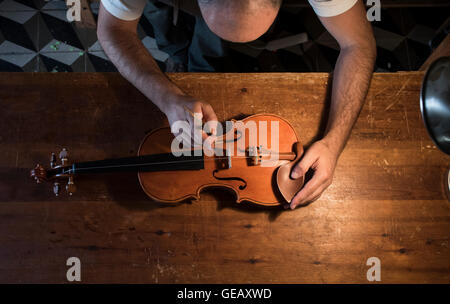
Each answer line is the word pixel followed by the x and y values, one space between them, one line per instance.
pixel 253 159
pixel 253 183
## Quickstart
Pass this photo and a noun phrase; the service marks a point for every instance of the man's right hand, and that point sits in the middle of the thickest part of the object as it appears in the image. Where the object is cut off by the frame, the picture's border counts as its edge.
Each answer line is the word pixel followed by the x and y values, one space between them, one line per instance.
pixel 183 108
pixel 123 46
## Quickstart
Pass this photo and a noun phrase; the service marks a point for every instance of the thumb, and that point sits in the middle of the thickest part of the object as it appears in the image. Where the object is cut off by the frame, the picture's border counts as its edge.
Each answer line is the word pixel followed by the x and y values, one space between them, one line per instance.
pixel 211 119
pixel 208 112
pixel 303 165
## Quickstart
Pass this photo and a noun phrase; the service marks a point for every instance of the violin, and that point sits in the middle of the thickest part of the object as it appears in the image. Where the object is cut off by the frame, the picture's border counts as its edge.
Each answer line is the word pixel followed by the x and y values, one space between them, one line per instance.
pixel 257 170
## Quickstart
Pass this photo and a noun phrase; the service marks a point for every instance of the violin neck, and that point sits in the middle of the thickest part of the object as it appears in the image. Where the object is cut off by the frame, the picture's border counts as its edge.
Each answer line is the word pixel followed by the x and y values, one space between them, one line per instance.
pixel 144 163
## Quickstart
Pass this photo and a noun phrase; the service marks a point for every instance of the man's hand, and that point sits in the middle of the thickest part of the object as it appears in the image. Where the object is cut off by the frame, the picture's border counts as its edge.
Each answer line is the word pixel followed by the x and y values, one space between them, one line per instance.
pixel 322 160
pixel 123 46
pixel 351 79
pixel 183 108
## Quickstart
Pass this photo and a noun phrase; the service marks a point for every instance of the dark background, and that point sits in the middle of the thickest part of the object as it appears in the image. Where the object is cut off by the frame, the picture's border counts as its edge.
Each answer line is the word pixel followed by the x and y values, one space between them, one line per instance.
pixel 36 37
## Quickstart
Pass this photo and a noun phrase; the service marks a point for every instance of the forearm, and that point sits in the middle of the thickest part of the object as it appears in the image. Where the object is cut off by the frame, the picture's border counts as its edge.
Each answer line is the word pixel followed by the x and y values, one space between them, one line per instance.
pixel 351 80
pixel 135 63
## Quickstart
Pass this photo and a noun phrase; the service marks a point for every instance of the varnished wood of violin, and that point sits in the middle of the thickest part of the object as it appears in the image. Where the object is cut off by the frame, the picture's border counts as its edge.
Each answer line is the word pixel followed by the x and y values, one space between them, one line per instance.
pixel 250 182
pixel 249 167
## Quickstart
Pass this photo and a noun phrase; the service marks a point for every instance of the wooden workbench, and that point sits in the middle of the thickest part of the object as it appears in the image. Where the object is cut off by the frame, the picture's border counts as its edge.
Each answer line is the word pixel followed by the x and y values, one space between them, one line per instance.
pixel 387 199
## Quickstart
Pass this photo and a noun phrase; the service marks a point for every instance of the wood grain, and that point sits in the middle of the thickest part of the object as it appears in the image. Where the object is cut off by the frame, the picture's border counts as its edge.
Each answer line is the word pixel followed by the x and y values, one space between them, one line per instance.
pixel 387 199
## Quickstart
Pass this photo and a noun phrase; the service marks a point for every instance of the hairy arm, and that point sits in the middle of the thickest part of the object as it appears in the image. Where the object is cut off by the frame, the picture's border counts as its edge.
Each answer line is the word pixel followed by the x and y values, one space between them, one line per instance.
pixel 351 80
pixel 120 41
pixel 353 72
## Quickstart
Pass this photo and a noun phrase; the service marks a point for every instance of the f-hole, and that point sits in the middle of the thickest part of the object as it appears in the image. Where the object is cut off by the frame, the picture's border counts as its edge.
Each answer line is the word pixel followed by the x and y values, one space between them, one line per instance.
pixel 241 187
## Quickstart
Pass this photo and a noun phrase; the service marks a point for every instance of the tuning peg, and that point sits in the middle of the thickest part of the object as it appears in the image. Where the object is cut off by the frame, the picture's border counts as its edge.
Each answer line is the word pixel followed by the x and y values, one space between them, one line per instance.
pixel 70 187
pixel 63 155
pixel 53 160
pixel 56 188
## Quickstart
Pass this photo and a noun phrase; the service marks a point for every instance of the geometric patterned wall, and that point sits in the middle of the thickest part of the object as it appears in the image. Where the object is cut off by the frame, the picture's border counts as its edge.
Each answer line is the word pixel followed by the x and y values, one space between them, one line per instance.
pixel 36 36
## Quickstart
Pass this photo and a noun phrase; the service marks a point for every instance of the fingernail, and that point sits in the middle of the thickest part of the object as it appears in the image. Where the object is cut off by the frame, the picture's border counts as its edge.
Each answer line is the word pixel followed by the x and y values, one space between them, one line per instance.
pixel 295 175
pixel 292 207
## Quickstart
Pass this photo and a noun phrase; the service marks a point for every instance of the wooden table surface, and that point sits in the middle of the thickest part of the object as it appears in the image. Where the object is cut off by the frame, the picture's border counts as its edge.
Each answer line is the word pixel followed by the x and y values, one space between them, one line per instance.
pixel 387 199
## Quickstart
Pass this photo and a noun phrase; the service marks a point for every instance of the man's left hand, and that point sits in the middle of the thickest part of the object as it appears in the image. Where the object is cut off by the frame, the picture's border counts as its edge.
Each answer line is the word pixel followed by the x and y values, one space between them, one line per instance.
pixel 322 159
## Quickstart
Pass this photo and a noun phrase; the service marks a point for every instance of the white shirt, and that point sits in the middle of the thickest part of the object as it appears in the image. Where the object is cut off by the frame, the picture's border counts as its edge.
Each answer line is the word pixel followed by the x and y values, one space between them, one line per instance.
pixel 132 9
pixel 125 9
pixel 331 8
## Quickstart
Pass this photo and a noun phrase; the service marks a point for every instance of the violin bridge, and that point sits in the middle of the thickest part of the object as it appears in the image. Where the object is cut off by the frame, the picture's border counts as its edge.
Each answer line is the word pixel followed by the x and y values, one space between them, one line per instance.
pixel 224 161
pixel 255 154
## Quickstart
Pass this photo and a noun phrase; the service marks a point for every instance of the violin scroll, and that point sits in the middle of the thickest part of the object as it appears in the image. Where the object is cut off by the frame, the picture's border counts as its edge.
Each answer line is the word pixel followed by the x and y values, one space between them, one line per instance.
pixel 38 173
pixel 56 173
